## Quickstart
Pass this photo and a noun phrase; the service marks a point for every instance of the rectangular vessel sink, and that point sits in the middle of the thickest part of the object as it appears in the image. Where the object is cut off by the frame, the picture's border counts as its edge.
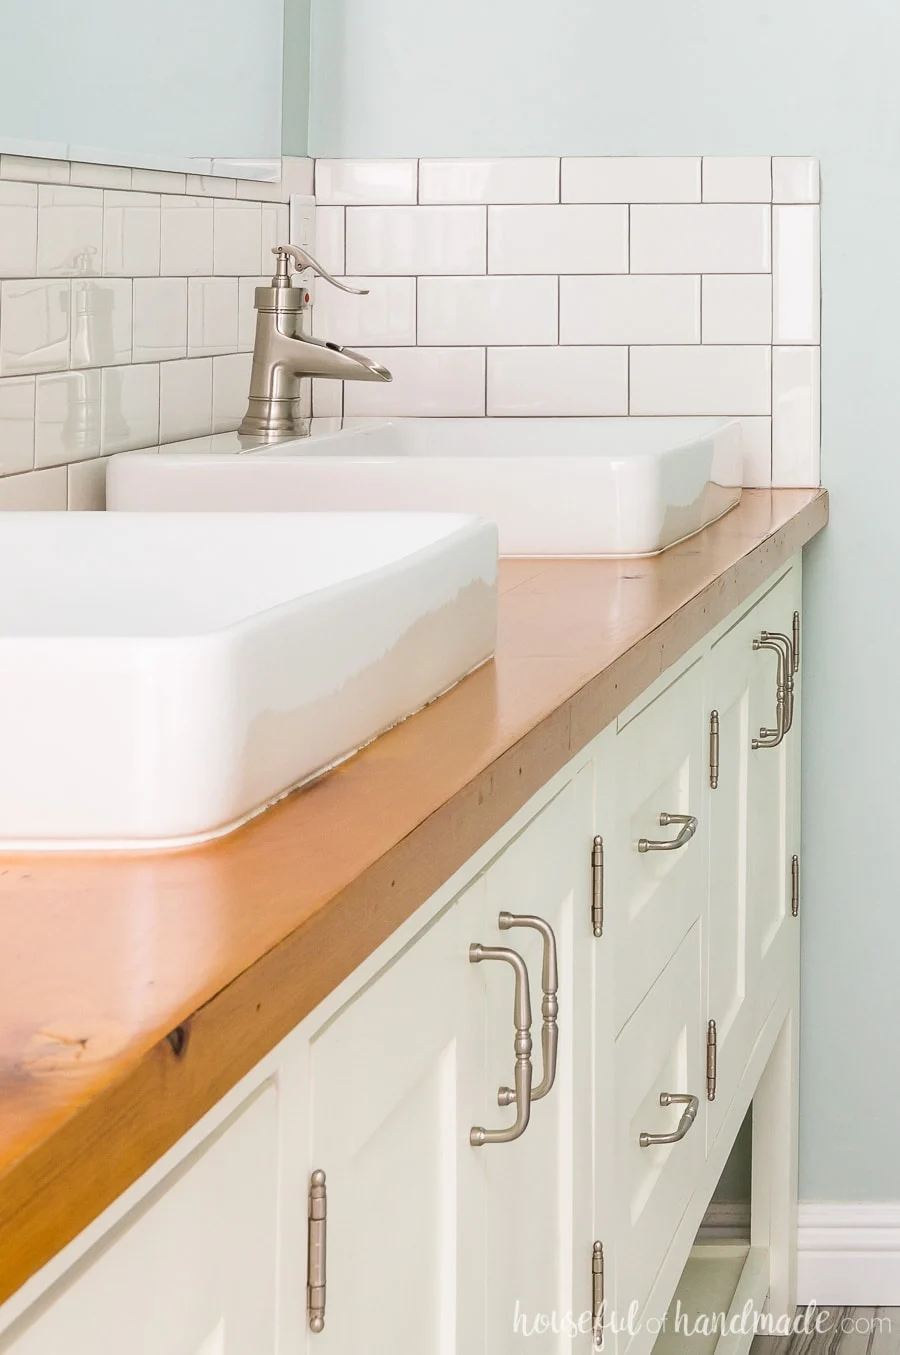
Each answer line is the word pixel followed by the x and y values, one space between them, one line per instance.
pixel 553 486
pixel 163 676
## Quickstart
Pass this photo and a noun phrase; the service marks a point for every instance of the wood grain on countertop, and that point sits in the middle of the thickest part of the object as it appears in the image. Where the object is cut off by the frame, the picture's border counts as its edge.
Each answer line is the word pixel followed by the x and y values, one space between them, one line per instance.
pixel 234 942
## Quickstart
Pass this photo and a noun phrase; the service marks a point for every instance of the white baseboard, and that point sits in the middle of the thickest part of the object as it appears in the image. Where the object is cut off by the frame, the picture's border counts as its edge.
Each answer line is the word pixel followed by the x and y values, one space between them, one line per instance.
pixel 849 1254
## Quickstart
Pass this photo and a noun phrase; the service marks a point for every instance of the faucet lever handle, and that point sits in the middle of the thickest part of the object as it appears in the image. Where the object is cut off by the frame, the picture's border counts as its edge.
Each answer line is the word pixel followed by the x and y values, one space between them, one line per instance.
pixel 303 260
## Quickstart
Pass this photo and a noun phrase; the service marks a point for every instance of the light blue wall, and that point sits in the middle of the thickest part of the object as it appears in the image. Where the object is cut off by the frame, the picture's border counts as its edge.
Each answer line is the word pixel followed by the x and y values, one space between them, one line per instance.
pixel 508 77
pixel 295 113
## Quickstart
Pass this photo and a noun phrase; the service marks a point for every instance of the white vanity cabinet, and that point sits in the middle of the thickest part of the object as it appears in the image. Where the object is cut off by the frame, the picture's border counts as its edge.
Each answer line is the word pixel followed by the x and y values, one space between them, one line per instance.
pixel 645 902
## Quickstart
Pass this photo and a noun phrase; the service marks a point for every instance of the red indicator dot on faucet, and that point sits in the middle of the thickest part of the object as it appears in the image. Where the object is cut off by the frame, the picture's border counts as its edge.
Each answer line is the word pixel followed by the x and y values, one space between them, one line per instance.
pixel 306 296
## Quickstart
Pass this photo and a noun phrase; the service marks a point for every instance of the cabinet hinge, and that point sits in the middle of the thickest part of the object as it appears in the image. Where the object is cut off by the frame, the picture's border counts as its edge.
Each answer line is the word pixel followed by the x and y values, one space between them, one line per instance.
pixel 795 886
pixel 598 1296
pixel 712 1059
pixel 315 1265
pixel 796 639
pixel 597 887
pixel 714 750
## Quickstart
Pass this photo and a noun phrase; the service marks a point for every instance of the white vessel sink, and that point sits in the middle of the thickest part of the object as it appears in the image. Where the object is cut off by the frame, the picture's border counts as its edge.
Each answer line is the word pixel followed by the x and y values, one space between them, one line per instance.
pixel 165 676
pixel 553 486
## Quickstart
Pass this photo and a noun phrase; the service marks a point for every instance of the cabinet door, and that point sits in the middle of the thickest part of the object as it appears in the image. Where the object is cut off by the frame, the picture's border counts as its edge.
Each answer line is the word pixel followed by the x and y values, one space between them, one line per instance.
pixel 538 1196
pixel 396 1075
pixel 191 1271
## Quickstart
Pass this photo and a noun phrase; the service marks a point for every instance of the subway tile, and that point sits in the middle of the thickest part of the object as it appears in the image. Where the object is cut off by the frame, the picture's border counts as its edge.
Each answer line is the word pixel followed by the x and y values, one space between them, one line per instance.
pixel 18 229
pixel 329 248
pixel 298 175
pixel 487 310
pixel 100 176
pixel 365 181
pixel 261 190
pixel 237 230
pixel 757 439
pixel 428 382
pixel 410 240
pixel 385 317
pixel 212 316
pixel 101 322
pixel 160 319
pixel 795 178
pixel 129 408
pixel 87 486
pixel 629 178
pixel 247 310
pixel 37 491
pixel 34 326
pixel 275 231
pixel 512 179
pixel 231 386
pixel 795 265
pixel 629 309
pixel 131 229
pixel 16 424
pixel 795 416
pixel 66 417
pixel 70 230
pixel 327 398
pixel 33 170
pixel 186 236
pixel 713 238
pixel 557 381
pixel 210 186
pixel 737 178
pixel 701 380
pixel 737 308
pixel 157 181
pixel 185 399
pixel 558 239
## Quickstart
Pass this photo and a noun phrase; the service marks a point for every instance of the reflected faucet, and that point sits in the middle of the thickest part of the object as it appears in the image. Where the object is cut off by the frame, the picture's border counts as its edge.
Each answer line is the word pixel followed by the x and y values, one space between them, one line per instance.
pixel 283 353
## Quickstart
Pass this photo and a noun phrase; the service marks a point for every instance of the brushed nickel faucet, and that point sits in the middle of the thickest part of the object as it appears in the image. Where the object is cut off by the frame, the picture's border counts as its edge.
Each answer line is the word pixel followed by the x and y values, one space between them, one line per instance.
pixel 283 353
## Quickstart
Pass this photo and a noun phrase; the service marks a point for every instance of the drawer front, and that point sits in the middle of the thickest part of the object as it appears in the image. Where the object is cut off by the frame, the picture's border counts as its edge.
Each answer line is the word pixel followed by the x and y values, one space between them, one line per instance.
pixel 659 1051
pixel 655 896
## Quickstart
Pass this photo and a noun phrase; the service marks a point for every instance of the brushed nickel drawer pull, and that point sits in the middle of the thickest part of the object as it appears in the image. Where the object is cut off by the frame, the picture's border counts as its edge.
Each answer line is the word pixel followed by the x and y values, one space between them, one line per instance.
pixel 689 828
pixel 691 1104
pixel 549 1004
pixel 478 1136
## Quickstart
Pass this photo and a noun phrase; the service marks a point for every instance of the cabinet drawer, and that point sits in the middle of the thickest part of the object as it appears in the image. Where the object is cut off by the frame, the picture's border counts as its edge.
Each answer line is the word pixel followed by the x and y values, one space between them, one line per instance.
pixel 659 1051
pixel 655 896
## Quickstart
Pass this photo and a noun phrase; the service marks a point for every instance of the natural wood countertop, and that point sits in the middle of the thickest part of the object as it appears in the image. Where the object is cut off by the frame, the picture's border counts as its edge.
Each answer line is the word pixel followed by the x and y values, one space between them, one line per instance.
pixel 236 941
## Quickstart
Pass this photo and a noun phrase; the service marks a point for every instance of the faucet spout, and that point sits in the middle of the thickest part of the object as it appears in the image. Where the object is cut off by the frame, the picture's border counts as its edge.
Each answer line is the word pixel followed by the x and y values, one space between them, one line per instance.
pixel 306 356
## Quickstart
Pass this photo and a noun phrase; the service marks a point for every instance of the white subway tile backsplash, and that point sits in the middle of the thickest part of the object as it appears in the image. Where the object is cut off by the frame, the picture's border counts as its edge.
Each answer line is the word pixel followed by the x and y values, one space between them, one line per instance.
pixel 36 491
pixel 34 326
pixel 427 381
pixel 558 239
pixel 795 267
pixel 32 170
pixel 701 380
pixel 70 230
pixel 237 228
pixel 18 229
pixel 131 228
pixel 411 240
pixel 714 238
pixel 488 310
pixel 160 319
pixel 629 178
pixel 508 180
pixel 101 322
pixel 100 176
pixel 231 385
pixel 795 178
pixel 629 309
pixel 386 317
pixel 795 416
pixel 737 308
pixel 185 399
pixel 275 231
pixel 366 181
pixel 210 186
pixel 330 238
pixel 16 424
pixel 298 175
pixel 129 408
pixel 87 486
pixel 186 236
pixel 757 438
pixel 327 399
pixel 66 417
pixel 737 178
pixel 157 181
pixel 557 381
pixel 212 316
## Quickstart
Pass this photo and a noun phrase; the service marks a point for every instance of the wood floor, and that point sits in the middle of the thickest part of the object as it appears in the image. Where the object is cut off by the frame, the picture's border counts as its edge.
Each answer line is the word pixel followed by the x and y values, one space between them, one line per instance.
pixel 846 1331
